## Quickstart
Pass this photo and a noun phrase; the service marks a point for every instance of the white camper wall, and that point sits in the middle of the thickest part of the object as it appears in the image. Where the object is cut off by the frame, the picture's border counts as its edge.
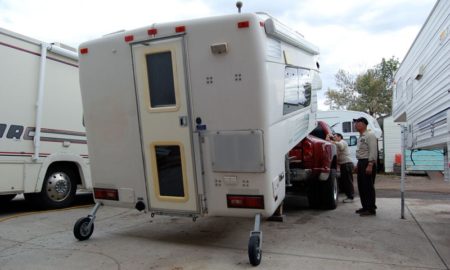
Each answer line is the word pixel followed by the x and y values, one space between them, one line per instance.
pixel 421 97
pixel 392 142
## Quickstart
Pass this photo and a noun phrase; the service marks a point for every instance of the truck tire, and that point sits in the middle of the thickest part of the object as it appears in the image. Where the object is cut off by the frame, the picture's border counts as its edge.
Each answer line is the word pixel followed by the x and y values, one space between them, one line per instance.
pixel 329 191
pixel 58 189
pixel 314 197
pixel 6 198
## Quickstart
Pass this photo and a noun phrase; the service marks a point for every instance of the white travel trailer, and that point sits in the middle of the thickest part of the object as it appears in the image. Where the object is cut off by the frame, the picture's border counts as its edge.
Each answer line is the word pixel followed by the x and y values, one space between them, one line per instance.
pixel 43 149
pixel 342 122
pixel 421 99
pixel 196 117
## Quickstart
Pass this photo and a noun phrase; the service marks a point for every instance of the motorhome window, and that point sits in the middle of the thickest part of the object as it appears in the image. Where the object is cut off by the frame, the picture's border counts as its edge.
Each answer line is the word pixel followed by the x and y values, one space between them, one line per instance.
pixel 160 79
pixel 304 87
pixel 290 90
pixel 347 127
pixel 297 89
pixel 170 171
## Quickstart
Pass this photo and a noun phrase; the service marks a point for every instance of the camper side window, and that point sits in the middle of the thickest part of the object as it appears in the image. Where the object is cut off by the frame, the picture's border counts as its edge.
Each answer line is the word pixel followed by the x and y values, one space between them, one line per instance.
pixel 399 89
pixel 297 89
pixel 160 79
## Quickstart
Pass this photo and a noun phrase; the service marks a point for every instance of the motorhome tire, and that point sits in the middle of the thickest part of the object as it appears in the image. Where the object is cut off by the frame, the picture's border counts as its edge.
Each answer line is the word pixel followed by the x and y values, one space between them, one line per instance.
pixel 58 189
pixel 6 198
pixel 329 191
pixel 81 230
pixel 254 250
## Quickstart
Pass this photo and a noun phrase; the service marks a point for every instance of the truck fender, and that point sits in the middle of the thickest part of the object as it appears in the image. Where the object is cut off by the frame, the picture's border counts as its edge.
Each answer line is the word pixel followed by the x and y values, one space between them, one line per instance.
pixel 81 163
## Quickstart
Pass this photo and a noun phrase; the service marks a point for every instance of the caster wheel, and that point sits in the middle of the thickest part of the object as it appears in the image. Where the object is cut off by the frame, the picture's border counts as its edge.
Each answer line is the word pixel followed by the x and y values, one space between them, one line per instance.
pixel 254 250
pixel 81 230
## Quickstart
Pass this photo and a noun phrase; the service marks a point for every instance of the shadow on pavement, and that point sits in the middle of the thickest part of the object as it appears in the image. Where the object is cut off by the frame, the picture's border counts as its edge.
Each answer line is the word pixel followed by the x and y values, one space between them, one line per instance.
pixel 20 205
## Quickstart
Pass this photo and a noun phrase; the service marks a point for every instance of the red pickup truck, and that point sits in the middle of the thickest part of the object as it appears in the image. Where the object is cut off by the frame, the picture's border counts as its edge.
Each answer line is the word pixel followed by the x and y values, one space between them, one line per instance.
pixel 312 168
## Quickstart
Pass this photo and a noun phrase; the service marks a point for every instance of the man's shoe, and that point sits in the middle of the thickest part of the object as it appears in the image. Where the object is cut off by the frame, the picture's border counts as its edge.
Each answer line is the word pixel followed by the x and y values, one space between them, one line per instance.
pixel 348 200
pixel 359 210
pixel 368 213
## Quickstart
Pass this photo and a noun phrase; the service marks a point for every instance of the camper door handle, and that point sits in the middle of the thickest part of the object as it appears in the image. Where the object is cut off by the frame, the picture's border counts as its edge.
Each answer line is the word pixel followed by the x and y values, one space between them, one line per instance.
pixel 183 121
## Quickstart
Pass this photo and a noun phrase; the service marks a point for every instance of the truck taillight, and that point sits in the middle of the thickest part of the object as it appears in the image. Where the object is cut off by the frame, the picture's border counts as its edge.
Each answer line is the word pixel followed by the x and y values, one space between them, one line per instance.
pixel 245 201
pixel 296 154
pixel 106 194
pixel 308 150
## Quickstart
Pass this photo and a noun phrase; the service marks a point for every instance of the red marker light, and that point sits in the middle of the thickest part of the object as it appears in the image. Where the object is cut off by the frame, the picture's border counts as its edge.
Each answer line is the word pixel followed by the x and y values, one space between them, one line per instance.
pixel 129 38
pixel 261 24
pixel 152 32
pixel 180 29
pixel 84 50
pixel 245 24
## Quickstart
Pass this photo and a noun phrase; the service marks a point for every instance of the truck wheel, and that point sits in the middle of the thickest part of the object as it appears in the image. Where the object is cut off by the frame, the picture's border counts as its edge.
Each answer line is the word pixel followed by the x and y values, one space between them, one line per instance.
pixel 313 195
pixel 329 191
pixel 6 198
pixel 58 189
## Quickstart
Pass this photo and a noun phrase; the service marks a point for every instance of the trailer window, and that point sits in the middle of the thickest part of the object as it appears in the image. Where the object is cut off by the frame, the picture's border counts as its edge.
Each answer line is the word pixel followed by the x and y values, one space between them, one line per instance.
pixel 409 89
pixel 399 89
pixel 297 89
pixel 160 79
pixel 346 127
pixel 170 170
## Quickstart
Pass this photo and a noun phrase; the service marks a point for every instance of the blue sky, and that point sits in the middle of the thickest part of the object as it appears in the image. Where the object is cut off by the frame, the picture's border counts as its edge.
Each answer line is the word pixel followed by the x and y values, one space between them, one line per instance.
pixel 352 34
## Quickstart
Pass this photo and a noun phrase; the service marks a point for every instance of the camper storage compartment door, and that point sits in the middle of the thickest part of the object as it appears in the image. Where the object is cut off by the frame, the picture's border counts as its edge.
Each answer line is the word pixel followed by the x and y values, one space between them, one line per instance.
pixel 237 151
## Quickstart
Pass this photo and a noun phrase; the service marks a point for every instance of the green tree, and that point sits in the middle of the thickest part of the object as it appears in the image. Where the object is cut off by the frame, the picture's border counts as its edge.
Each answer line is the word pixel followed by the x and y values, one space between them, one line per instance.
pixel 370 91
pixel 342 98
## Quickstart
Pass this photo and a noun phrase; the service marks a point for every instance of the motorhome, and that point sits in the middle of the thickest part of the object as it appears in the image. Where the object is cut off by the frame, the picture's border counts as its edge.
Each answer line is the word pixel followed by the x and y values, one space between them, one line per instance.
pixel 341 121
pixel 197 117
pixel 43 149
pixel 421 98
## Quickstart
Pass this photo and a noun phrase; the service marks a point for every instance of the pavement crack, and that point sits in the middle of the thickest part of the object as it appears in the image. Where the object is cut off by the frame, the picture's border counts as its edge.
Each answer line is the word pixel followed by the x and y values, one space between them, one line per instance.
pixel 428 238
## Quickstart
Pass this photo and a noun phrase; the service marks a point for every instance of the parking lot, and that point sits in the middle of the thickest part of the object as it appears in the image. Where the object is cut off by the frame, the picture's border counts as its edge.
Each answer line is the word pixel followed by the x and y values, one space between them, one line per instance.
pixel 307 239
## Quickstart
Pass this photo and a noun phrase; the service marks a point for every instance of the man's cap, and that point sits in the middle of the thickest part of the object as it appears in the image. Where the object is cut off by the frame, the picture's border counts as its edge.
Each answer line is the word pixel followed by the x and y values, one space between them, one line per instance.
pixel 361 119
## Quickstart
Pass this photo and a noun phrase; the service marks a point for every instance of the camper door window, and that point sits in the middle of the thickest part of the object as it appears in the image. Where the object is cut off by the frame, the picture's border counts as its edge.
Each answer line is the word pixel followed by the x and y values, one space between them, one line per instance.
pixel 160 79
pixel 297 89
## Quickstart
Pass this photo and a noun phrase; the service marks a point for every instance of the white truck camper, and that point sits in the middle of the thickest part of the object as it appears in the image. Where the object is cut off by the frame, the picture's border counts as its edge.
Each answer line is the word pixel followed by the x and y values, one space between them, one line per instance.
pixel 43 148
pixel 196 117
pixel 341 121
pixel 421 99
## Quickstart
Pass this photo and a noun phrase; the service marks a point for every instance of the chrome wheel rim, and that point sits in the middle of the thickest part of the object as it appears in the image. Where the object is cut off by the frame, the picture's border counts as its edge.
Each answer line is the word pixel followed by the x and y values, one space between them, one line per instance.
pixel 58 186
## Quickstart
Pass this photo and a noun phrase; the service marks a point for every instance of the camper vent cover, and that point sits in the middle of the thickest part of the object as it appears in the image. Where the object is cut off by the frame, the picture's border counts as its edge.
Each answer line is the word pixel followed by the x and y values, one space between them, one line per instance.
pixel 420 73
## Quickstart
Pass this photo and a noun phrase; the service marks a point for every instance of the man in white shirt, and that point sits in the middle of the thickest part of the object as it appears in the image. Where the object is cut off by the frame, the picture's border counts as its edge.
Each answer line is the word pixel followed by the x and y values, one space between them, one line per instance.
pixel 346 165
